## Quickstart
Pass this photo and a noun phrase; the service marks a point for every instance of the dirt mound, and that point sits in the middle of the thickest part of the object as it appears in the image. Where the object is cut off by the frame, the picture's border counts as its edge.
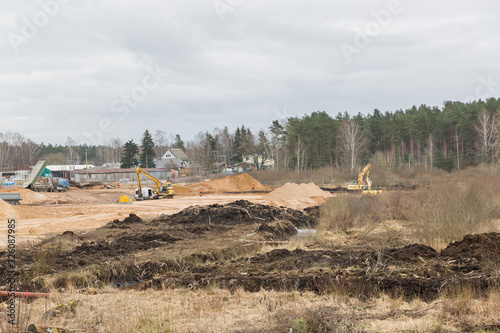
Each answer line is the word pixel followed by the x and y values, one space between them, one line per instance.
pixel 239 183
pixel 278 230
pixel 291 191
pixel 238 212
pixel 124 245
pixel 181 189
pixel 131 219
pixel 28 196
pixel 480 247
pixel 7 210
pixel 298 196
pixel 412 253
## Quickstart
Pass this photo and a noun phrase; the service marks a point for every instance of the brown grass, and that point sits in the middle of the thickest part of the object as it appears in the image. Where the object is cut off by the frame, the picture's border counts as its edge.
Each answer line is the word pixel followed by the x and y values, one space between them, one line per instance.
pixel 335 177
pixel 398 204
pixel 346 211
pixel 447 212
pixel 215 310
pixel 44 259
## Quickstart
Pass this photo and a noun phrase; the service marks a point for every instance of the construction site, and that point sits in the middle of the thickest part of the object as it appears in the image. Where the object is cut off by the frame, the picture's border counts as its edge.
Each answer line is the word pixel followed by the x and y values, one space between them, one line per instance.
pixel 220 246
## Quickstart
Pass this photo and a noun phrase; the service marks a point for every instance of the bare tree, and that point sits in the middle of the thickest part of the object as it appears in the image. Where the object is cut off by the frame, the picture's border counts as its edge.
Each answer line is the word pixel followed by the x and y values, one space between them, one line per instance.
pixel 117 149
pixel 225 142
pixel 300 154
pixel 431 149
pixel 351 141
pixel 261 150
pixel 486 131
pixel 201 150
pixel 30 152
pixel 70 147
pixel 160 139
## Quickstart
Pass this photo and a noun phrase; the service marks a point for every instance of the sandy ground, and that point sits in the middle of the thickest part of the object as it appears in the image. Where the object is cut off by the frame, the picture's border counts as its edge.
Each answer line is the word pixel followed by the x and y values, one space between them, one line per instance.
pixel 38 216
pixel 45 214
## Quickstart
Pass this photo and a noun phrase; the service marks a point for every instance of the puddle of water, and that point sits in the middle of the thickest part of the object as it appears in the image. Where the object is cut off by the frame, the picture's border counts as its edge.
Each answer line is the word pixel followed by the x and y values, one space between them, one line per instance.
pixel 305 232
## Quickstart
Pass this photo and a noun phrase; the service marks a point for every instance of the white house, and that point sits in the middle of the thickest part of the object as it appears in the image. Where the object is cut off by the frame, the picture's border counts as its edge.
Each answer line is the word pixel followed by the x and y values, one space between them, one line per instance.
pixel 174 158
pixel 268 162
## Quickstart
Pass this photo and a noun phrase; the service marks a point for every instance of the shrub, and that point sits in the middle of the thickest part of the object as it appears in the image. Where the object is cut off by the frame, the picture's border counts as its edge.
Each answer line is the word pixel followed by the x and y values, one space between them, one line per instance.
pixel 345 212
pixel 398 204
pixel 448 211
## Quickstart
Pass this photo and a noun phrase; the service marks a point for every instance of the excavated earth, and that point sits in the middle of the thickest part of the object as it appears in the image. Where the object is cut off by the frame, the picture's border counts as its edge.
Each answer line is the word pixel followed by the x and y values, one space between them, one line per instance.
pixel 222 245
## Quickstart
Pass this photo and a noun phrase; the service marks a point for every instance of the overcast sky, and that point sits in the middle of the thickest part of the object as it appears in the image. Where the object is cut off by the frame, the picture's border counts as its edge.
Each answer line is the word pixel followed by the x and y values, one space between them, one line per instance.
pixel 95 70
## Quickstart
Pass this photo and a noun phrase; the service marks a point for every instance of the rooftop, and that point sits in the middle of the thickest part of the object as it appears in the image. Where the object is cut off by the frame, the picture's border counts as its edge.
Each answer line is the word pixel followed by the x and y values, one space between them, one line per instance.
pixel 179 153
pixel 104 171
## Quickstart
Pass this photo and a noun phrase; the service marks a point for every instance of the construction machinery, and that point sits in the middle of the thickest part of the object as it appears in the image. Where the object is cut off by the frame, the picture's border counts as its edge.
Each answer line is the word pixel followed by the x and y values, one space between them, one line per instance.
pixel 36 172
pixel 363 183
pixel 46 184
pixel 145 193
pixel 11 197
pixel 40 180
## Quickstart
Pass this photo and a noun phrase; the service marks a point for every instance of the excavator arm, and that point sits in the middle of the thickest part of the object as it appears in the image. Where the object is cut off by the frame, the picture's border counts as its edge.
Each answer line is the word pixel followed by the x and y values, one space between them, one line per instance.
pixel 363 182
pixel 158 185
pixel 363 173
pixel 160 191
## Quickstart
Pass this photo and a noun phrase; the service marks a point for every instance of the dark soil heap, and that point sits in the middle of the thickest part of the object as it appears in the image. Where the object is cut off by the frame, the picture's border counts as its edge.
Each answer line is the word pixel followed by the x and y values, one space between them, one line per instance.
pixel 480 247
pixel 239 212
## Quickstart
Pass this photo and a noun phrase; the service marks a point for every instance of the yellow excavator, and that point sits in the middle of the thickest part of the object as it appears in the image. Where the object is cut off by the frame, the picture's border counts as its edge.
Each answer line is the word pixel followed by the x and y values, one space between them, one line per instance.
pixel 146 193
pixel 363 183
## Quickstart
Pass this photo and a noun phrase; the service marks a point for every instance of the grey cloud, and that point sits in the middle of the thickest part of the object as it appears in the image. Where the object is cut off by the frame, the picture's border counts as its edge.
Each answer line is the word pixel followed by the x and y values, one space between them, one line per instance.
pixel 262 57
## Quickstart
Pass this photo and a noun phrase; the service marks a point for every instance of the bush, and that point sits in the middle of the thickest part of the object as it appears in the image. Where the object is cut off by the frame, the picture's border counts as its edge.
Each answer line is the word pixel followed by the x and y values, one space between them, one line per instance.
pixel 399 204
pixel 345 212
pixel 448 211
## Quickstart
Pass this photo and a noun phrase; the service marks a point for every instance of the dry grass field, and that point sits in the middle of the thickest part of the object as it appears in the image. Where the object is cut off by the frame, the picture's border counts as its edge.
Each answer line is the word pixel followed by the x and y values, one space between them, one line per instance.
pixel 420 260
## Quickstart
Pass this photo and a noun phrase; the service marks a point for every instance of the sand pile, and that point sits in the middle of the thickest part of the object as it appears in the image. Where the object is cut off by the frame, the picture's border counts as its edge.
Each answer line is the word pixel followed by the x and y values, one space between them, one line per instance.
pixel 29 196
pixel 297 196
pixel 181 189
pixel 239 183
pixel 7 210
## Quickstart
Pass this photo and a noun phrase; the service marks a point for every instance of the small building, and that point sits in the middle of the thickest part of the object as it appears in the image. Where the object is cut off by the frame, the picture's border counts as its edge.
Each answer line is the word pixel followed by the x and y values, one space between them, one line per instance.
pixel 263 164
pixel 175 159
pixel 105 175
pixel 113 165
pixel 65 170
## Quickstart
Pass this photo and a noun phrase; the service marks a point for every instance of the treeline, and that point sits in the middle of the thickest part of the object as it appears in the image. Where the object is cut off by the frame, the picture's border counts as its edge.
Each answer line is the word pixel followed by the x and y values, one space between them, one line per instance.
pixel 456 135
pixel 19 153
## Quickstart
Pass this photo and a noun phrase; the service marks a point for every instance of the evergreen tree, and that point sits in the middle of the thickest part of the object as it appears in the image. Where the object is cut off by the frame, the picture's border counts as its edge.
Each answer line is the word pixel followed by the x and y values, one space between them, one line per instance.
pixel 278 131
pixel 179 143
pixel 147 151
pixel 239 144
pixel 130 151
pixel 445 162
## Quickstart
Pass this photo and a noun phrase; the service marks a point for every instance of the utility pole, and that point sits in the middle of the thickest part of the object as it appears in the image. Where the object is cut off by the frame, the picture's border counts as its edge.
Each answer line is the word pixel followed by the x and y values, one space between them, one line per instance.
pixel 86 165
pixel 216 157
